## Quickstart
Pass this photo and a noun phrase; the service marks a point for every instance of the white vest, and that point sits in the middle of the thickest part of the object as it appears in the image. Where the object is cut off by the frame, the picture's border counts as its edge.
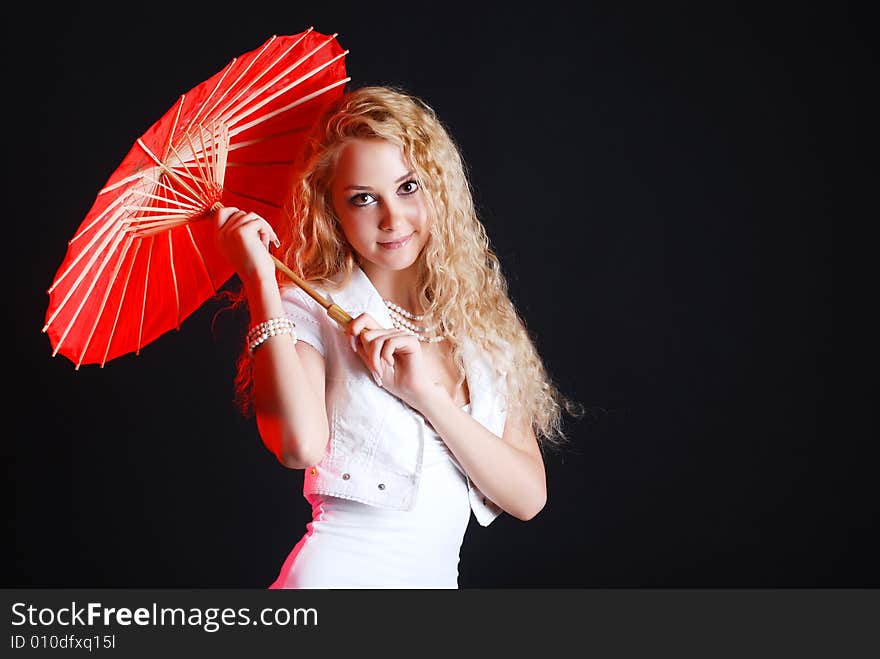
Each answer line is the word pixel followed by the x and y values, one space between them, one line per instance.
pixel 376 440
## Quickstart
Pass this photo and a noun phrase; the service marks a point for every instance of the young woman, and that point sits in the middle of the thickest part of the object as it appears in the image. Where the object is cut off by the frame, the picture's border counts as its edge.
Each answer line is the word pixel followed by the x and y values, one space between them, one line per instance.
pixel 432 403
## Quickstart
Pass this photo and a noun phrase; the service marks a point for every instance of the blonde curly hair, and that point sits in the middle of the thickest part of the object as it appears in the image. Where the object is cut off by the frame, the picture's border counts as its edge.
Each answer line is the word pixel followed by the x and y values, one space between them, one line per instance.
pixel 461 284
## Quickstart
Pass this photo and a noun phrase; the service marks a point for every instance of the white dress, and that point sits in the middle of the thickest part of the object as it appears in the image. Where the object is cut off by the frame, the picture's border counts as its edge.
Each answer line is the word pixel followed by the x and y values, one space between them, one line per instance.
pixel 349 544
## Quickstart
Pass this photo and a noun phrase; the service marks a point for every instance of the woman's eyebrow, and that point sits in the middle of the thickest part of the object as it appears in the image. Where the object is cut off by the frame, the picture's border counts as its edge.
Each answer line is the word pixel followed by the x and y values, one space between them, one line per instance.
pixel 367 187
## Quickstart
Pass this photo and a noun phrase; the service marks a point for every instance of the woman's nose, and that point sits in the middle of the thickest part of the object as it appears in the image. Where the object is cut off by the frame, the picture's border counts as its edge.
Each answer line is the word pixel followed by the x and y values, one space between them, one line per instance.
pixel 392 216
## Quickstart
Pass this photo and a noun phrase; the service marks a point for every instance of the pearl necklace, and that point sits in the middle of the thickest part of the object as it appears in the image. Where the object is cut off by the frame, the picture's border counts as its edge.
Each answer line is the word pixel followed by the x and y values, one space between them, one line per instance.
pixel 401 319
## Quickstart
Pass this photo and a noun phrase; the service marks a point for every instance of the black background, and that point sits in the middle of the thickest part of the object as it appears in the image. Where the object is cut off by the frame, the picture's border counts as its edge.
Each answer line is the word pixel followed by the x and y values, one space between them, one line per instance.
pixel 669 189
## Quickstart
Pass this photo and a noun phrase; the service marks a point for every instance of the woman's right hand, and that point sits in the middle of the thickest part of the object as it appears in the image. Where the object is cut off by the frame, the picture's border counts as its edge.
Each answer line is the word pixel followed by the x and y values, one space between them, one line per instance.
pixel 243 238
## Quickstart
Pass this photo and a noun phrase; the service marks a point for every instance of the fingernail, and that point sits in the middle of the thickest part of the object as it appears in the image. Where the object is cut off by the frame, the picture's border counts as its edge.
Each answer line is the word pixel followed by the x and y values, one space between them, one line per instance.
pixel 377 378
pixel 277 242
pixel 353 346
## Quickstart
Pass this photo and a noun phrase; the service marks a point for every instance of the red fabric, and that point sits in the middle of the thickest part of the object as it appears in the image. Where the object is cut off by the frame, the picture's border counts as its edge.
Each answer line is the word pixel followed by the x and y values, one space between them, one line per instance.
pixel 94 314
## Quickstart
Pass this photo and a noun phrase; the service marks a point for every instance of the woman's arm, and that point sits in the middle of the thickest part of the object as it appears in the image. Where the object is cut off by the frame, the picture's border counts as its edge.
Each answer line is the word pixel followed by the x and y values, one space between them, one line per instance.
pixel 510 472
pixel 288 379
pixel 288 387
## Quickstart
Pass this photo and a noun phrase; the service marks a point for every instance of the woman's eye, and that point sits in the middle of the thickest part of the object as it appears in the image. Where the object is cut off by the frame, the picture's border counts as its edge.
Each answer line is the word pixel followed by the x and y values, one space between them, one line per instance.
pixel 362 199
pixel 409 187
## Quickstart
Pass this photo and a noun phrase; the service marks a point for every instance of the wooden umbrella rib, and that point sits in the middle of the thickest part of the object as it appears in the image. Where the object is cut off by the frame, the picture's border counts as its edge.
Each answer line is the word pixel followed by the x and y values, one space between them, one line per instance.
pixel 172 130
pixel 250 110
pixel 165 168
pixel 250 84
pixel 222 155
pixel 213 109
pixel 116 202
pixel 129 239
pixel 122 181
pixel 144 301
pixel 138 219
pixel 206 178
pixel 198 116
pixel 269 115
pixel 113 225
pixel 206 171
pixel 197 180
pixel 195 201
pixel 254 99
pixel 200 181
pixel 202 260
pixel 207 159
pixel 174 276
pixel 178 204
pixel 209 172
pixel 149 228
pixel 247 108
pixel 88 292
pixel 104 299
pixel 229 113
pixel 174 207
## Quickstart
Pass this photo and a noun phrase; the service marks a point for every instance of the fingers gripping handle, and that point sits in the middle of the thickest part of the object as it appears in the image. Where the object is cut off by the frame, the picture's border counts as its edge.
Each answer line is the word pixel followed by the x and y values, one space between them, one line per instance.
pixel 333 310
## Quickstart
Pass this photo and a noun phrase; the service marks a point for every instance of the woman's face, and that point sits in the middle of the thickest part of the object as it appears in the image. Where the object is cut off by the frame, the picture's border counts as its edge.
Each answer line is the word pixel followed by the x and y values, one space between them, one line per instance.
pixel 380 205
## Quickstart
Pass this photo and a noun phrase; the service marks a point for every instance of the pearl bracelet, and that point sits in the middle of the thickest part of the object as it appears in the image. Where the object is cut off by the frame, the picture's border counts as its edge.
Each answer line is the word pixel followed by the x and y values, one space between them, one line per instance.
pixel 272 323
pixel 261 332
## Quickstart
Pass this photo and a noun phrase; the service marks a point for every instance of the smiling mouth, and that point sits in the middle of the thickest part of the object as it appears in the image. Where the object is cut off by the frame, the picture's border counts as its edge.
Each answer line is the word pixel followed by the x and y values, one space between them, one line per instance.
pixel 397 244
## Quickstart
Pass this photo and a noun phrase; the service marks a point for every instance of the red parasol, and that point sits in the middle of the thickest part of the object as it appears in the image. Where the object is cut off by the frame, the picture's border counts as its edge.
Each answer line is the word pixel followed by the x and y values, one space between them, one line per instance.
pixel 141 261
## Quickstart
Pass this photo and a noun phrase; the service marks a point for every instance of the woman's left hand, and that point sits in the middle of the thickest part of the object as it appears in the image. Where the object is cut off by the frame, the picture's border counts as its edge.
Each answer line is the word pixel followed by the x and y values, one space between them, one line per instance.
pixel 395 358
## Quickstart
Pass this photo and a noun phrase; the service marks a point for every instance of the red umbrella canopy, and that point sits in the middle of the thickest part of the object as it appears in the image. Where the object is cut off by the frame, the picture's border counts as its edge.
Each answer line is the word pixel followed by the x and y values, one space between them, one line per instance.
pixel 142 261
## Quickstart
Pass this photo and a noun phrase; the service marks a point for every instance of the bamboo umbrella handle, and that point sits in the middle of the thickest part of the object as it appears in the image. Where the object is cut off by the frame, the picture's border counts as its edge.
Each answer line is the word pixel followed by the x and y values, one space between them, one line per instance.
pixel 333 310
pixel 336 312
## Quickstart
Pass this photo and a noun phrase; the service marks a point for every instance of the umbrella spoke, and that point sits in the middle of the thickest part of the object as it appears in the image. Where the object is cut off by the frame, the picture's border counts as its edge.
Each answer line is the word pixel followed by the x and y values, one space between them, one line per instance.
pixel 206 171
pixel 116 202
pixel 184 202
pixel 243 110
pixel 225 110
pixel 222 154
pixel 181 206
pixel 199 181
pixel 113 223
pixel 129 239
pixel 121 182
pixel 219 138
pixel 150 228
pixel 201 256
pixel 85 297
pixel 170 132
pixel 204 105
pixel 107 289
pixel 230 111
pixel 195 202
pixel 144 301
pixel 165 168
pixel 213 111
pixel 211 171
pixel 274 113
pixel 174 277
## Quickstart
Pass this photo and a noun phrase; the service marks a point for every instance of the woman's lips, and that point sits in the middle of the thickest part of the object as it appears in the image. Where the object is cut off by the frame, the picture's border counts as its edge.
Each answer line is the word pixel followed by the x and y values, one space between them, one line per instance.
pixel 398 244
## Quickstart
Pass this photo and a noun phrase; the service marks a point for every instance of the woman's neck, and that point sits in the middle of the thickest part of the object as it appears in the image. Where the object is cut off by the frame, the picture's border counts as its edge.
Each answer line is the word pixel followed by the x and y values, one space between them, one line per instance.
pixel 398 286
